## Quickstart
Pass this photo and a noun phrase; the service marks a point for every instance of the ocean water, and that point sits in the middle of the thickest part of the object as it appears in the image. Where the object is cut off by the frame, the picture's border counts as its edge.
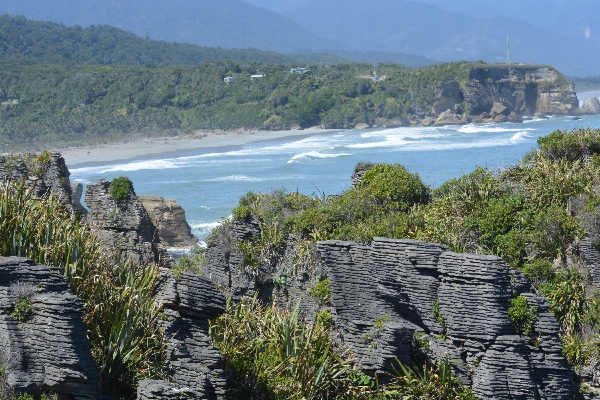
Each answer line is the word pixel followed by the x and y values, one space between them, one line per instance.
pixel 208 183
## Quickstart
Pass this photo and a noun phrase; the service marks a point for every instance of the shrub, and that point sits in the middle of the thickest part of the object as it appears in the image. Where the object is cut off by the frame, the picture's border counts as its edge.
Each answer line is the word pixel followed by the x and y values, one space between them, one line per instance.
pixel 271 354
pixel 393 185
pixel 522 315
pixel 322 292
pixel 568 300
pixel 573 145
pixel 22 309
pixel 429 382
pixel 242 213
pixel 121 188
pixel 503 226
pixel 539 272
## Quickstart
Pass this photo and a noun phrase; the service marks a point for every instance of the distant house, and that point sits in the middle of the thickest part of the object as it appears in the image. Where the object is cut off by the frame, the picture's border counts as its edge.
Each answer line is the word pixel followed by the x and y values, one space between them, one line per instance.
pixel 229 79
pixel 258 76
pixel 299 71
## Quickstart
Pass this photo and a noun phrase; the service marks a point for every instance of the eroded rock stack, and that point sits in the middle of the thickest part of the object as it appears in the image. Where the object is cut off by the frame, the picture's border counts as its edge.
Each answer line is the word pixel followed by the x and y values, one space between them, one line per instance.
pixel 169 218
pixel 43 341
pixel 44 173
pixel 189 301
pixel 124 227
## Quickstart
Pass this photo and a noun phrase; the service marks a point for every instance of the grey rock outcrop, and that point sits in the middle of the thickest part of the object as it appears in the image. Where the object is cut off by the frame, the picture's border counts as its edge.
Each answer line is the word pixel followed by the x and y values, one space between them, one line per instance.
pixel 395 298
pixel 385 293
pixel 224 260
pixel 285 280
pixel 44 173
pixel 507 93
pixel 591 106
pixel 123 227
pixel 169 218
pixel 196 366
pixel 48 350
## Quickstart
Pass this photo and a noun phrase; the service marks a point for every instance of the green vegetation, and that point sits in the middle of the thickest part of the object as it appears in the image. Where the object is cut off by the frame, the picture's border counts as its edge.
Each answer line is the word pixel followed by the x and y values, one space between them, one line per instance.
pixel 33 42
pixel 533 215
pixel 22 309
pixel 274 354
pixel 45 105
pixel 193 263
pixel 121 316
pixel 437 314
pixel 121 188
pixel 322 291
pixel 522 315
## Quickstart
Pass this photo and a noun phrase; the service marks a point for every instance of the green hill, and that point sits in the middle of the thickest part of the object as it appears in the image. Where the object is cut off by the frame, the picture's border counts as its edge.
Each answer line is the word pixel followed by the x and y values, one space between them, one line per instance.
pixel 25 41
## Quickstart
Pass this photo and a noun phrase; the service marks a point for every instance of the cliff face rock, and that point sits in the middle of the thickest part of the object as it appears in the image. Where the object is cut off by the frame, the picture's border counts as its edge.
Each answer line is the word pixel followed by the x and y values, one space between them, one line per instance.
pixel 591 106
pixel 285 280
pixel 44 173
pixel 169 218
pixel 45 349
pixel 224 259
pixel 395 295
pixel 397 298
pixel 504 93
pixel 189 302
pixel 123 227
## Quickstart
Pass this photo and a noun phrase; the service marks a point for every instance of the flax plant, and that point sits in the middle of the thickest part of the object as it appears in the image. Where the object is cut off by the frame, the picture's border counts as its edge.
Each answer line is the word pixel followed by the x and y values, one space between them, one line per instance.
pixel 274 355
pixel 120 313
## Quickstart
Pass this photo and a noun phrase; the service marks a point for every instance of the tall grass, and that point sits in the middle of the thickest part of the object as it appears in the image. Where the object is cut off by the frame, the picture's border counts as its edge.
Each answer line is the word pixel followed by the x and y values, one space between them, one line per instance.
pixel 275 355
pixel 120 313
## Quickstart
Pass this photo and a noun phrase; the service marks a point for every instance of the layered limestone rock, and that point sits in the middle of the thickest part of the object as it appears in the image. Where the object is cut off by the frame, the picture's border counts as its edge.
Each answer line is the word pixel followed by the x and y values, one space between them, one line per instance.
pixel 124 227
pixel 43 342
pixel 591 106
pixel 169 218
pixel 395 298
pixel 504 93
pixel 396 295
pixel 189 301
pixel 44 173
pixel 285 280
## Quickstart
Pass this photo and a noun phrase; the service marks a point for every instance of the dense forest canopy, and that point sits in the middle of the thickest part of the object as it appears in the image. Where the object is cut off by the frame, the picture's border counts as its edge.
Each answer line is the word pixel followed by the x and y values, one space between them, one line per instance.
pixel 89 103
pixel 25 41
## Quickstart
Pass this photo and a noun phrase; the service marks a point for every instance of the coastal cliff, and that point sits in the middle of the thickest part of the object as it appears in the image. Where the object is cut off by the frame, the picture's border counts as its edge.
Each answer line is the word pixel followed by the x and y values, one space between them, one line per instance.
pixel 502 93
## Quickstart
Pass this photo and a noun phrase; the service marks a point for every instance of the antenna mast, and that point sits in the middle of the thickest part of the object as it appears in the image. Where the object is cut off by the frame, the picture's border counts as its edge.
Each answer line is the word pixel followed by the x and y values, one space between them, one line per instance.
pixel 508 48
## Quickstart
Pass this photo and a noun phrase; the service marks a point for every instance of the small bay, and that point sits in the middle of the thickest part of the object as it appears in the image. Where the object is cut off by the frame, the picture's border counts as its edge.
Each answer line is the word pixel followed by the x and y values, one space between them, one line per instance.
pixel 208 182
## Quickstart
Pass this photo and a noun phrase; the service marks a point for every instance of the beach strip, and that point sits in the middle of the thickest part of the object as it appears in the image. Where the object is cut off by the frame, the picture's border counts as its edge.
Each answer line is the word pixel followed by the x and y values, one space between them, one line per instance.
pixel 158 147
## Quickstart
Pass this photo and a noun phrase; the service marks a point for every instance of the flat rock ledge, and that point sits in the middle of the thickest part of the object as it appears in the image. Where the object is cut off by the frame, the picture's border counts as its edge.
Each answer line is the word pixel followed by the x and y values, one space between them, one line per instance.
pixel 47 350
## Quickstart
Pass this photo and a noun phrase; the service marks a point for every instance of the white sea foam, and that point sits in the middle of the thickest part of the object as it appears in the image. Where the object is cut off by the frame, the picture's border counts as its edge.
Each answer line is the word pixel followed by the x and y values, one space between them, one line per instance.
pixel 236 178
pixel 314 154
pixel 204 226
pixel 129 167
pixel 519 136
pixel 489 128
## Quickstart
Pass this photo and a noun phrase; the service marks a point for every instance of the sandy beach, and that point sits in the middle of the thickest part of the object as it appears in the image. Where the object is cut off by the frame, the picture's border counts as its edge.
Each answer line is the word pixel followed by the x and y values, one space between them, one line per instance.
pixel 89 155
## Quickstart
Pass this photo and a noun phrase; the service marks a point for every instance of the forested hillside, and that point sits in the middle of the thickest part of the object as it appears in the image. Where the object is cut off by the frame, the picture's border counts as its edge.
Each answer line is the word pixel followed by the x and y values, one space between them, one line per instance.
pixel 25 41
pixel 215 23
pixel 50 105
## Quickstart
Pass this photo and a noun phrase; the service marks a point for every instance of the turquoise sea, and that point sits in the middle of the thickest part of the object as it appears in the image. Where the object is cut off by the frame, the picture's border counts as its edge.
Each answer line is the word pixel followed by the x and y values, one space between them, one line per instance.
pixel 208 183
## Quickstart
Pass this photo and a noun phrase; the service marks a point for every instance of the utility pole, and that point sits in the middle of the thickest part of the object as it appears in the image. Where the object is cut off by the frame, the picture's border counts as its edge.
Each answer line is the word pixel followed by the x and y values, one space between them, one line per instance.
pixel 508 48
